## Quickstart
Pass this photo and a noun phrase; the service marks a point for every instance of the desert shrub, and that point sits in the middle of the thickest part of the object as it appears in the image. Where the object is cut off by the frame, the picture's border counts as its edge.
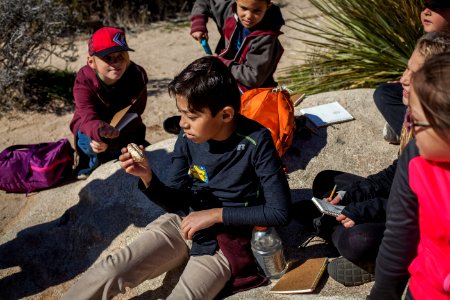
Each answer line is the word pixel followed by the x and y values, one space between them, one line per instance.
pixel 127 14
pixel 360 43
pixel 33 30
pixel 48 90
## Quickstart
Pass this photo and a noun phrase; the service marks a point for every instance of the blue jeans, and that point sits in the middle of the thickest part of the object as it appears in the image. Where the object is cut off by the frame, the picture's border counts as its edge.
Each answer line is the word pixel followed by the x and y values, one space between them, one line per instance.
pixel 388 98
pixel 83 144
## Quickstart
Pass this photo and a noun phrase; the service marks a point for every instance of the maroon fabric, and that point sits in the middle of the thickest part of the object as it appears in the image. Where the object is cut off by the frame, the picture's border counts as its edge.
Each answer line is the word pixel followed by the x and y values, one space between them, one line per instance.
pixel 235 245
pixel 94 104
pixel 199 24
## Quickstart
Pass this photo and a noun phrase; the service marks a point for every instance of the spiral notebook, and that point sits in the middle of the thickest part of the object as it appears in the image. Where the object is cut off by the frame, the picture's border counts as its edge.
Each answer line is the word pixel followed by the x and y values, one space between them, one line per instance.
pixel 327 208
pixel 326 114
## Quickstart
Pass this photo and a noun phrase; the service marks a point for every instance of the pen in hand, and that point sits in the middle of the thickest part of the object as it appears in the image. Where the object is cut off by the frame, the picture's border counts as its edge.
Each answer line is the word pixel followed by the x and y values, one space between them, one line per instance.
pixel 332 192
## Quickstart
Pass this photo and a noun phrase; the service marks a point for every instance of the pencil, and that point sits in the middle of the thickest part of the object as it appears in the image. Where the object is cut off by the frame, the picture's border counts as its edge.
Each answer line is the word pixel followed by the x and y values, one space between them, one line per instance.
pixel 332 192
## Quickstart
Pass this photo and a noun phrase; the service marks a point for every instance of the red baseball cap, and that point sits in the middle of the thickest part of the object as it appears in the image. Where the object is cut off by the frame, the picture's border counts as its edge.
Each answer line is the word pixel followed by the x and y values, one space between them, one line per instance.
pixel 107 40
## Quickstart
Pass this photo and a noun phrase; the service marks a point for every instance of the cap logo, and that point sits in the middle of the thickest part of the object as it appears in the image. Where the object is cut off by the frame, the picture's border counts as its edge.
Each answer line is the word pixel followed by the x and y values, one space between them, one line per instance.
pixel 119 39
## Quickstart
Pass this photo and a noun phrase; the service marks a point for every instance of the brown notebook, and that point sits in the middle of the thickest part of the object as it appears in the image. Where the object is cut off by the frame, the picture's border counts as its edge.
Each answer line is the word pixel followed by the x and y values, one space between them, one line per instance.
pixel 119 115
pixel 303 278
pixel 122 118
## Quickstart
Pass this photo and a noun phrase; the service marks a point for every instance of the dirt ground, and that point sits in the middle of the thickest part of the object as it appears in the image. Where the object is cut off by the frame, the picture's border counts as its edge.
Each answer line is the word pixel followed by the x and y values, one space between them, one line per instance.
pixel 163 49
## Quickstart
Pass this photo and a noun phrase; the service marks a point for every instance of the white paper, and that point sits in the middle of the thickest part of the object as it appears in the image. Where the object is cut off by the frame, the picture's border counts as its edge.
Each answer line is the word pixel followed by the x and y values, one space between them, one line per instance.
pixel 328 208
pixel 325 114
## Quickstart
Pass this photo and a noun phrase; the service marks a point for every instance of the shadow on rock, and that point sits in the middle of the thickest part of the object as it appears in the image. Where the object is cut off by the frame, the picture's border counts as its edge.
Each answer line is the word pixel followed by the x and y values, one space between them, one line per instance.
pixel 305 146
pixel 299 240
pixel 51 253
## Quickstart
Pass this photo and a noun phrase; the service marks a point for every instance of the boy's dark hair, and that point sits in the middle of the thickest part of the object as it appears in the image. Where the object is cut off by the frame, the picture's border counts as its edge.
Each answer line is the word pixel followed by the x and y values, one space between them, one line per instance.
pixel 207 83
pixel 431 84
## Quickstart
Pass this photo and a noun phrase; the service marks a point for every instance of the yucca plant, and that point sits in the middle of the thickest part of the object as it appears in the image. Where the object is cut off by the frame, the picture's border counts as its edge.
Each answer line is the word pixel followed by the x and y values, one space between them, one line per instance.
pixel 360 43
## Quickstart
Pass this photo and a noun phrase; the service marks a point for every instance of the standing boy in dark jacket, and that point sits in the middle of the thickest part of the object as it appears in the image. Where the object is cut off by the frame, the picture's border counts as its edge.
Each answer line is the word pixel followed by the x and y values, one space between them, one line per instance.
pixel 249 43
pixel 107 84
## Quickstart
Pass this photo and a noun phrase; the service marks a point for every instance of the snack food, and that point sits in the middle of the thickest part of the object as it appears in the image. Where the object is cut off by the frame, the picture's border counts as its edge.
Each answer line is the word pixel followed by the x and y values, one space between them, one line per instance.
pixel 136 153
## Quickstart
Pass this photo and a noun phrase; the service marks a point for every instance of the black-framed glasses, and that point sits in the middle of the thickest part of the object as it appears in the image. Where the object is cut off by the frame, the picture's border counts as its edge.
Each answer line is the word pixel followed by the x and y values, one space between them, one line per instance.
pixel 419 125
pixel 410 124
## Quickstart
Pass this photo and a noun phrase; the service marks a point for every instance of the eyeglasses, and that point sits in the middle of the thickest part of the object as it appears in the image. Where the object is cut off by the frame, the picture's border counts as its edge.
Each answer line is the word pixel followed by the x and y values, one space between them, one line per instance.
pixel 410 124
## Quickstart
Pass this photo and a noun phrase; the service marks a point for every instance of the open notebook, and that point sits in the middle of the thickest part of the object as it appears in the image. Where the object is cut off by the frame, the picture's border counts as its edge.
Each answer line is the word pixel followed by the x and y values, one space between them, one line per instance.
pixel 122 118
pixel 327 208
pixel 326 114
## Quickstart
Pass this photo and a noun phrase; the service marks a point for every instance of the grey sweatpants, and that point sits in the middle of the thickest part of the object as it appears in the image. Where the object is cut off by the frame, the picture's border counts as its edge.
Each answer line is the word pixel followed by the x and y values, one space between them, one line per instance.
pixel 160 248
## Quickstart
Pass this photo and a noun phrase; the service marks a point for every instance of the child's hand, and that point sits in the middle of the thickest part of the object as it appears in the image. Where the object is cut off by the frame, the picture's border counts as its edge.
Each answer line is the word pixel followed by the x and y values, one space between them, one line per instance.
pixel 345 221
pixel 198 35
pixel 198 220
pixel 98 147
pixel 335 200
pixel 141 169
pixel 108 132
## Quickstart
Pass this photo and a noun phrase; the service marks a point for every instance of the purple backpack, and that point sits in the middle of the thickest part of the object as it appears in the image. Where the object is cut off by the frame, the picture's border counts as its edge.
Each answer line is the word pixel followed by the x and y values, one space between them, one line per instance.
pixel 27 168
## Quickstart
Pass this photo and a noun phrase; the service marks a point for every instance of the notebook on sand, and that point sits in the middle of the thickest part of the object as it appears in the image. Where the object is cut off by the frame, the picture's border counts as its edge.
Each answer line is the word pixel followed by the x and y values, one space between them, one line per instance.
pixel 302 278
pixel 326 114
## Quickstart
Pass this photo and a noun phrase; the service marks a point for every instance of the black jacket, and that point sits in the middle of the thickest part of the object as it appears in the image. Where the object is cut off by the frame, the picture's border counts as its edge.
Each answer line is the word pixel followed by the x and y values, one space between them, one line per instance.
pixel 366 199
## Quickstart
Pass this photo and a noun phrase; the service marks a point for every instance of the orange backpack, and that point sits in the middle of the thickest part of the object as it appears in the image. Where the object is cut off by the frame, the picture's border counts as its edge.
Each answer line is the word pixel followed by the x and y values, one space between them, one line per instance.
pixel 272 108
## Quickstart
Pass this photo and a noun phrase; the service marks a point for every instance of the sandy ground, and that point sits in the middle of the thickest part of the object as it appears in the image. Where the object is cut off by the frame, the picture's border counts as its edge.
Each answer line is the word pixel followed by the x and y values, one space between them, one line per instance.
pixel 163 50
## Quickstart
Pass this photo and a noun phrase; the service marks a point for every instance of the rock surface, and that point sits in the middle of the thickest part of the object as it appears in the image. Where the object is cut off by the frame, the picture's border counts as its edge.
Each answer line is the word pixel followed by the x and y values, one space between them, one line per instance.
pixel 58 233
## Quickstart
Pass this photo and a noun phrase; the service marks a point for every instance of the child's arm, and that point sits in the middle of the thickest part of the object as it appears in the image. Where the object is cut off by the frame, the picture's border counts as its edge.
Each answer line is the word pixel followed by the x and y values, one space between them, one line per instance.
pixel 107 131
pixel 274 211
pixel 85 100
pixel 376 185
pixel 218 10
pixel 261 62
pixel 198 220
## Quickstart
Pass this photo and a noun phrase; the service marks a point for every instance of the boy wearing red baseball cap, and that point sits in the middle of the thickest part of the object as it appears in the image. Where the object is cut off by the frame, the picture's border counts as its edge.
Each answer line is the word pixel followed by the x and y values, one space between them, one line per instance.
pixel 107 84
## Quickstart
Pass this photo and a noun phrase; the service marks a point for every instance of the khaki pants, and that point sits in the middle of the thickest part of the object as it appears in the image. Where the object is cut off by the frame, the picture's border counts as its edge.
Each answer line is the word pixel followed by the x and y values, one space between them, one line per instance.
pixel 157 250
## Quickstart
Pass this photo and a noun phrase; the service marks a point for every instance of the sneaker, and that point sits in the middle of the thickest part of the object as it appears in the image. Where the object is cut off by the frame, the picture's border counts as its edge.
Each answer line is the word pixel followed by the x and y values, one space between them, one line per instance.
pixel 172 125
pixel 389 135
pixel 349 274
pixel 82 176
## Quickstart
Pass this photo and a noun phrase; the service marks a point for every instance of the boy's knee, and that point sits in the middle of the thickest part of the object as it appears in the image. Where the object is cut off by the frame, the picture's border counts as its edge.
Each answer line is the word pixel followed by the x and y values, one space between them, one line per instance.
pixel 380 92
pixel 387 91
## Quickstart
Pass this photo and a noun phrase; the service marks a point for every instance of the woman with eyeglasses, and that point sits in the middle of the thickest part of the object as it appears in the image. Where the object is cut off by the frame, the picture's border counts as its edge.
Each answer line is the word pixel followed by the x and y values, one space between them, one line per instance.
pixel 417 237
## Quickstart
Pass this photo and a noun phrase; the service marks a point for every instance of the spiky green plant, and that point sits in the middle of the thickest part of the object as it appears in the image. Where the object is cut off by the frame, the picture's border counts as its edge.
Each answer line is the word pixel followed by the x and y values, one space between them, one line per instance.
pixel 360 43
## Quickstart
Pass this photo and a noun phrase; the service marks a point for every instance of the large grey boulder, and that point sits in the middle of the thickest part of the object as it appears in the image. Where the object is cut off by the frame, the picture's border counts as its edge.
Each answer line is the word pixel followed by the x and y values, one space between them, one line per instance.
pixel 60 232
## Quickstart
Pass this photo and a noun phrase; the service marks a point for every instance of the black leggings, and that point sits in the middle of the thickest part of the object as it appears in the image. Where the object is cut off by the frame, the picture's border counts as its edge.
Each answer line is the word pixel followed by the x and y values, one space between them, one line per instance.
pixel 359 243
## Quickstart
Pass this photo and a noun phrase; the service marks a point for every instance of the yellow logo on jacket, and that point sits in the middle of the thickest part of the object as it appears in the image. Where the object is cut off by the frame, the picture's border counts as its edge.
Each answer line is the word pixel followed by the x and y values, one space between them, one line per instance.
pixel 199 173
